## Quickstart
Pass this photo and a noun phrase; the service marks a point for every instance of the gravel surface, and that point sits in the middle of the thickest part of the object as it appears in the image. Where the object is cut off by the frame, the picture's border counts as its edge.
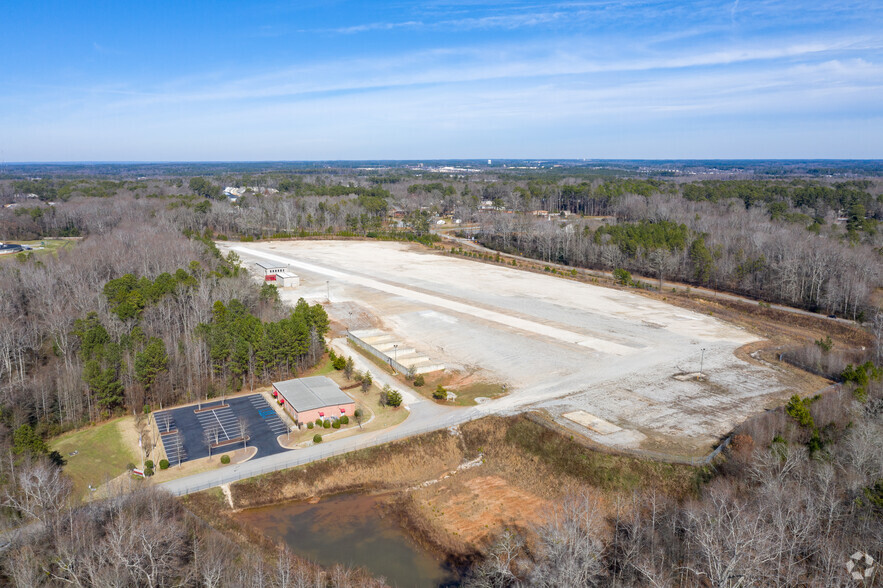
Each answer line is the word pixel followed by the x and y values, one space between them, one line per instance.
pixel 558 344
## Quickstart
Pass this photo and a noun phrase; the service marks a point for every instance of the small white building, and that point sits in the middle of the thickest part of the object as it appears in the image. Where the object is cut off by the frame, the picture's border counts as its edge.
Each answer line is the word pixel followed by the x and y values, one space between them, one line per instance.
pixel 287 280
pixel 270 270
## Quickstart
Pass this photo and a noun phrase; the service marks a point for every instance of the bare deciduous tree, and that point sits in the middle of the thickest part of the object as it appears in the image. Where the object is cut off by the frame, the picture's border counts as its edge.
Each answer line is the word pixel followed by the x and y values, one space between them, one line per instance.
pixel 243 429
pixel 40 491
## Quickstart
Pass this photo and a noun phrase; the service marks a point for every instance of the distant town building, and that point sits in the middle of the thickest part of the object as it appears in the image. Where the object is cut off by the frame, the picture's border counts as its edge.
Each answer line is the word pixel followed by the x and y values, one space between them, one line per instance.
pixel 234 193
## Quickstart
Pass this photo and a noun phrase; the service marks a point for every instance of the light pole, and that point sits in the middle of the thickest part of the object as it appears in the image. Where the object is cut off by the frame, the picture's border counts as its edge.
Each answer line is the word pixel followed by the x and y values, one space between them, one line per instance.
pixel 328 286
pixel 350 323
pixel 395 351
pixel 701 360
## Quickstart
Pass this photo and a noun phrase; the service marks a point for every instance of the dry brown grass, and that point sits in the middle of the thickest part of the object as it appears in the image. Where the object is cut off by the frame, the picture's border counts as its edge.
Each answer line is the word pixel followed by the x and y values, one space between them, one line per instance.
pixel 388 467
pixel 776 325
pixel 829 364
pixel 542 460
pixel 526 469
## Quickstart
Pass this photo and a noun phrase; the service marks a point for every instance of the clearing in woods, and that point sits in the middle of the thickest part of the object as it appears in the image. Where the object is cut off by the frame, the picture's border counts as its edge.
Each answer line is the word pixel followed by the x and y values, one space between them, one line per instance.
pixel 557 344
pixel 101 455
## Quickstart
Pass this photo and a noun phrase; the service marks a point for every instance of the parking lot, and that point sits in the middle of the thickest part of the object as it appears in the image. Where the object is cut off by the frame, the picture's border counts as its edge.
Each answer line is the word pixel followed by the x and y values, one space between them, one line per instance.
pixel 187 432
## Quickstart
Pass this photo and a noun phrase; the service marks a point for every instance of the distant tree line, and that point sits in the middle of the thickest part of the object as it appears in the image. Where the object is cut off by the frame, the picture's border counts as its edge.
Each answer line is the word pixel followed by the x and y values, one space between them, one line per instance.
pixel 711 244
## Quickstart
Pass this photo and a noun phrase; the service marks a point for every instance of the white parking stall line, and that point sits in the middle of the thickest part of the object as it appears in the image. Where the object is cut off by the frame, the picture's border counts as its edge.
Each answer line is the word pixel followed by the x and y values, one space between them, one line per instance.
pixel 222 426
pixel 174 453
pixel 278 426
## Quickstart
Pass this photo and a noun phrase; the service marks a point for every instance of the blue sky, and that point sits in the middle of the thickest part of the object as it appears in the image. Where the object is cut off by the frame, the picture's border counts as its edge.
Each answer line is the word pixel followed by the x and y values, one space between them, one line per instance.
pixel 233 80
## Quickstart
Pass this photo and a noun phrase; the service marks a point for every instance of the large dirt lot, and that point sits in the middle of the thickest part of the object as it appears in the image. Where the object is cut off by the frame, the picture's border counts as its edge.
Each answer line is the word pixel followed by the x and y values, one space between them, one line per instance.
pixel 607 358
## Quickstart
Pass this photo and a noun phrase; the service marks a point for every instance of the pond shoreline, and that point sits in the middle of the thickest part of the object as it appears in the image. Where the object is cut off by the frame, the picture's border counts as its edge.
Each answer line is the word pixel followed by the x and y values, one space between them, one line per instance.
pixel 355 529
pixel 453 492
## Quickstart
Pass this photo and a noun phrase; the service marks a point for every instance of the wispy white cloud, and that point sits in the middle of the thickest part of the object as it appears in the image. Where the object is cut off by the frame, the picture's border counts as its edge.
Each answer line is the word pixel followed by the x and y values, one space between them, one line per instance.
pixel 628 14
pixel 500 93
pixel 374 26
pixel 468 65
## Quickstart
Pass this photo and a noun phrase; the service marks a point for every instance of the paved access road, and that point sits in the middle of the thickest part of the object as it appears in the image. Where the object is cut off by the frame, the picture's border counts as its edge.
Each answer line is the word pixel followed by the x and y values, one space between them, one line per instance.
pixel 423 419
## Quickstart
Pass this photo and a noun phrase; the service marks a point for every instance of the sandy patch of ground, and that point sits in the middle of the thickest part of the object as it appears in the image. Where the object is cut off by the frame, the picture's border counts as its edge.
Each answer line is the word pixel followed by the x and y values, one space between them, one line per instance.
pixel 561 345
pixel 475 509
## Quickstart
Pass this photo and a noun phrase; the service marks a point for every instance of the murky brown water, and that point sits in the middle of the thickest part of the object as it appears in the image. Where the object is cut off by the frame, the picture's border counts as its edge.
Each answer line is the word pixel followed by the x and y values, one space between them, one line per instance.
pixel 350 530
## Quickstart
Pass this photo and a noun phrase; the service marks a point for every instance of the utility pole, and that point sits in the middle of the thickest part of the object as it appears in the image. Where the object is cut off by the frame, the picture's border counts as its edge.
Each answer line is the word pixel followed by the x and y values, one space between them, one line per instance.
pixel 328 286
pixel 395 351
pixel 701 360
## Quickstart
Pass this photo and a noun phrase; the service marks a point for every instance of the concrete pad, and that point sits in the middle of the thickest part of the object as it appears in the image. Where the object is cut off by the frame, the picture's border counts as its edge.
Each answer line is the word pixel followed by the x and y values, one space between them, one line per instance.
pixel 592 422
pixel 558 344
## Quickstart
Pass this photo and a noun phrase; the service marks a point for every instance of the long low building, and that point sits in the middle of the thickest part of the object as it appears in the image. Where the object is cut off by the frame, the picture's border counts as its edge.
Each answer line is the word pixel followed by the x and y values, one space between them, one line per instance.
pixel 309 399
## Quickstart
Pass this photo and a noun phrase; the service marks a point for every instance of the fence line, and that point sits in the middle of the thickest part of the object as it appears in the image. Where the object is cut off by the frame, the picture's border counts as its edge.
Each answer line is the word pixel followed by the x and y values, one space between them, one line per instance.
pixel 377 353
pixel 402 369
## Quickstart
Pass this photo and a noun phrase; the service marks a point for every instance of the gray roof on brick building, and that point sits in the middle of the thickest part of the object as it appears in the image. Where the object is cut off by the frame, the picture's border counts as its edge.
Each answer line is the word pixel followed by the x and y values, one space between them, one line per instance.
pixel 312 393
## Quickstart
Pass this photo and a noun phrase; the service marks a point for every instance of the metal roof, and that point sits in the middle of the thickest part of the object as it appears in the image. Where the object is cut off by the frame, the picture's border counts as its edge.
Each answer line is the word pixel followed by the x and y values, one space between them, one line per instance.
pixel 311 393
pixel 267 265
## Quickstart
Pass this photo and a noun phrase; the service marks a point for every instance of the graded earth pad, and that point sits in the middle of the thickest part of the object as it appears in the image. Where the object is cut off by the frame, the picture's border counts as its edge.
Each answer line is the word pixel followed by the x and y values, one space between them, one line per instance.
pixel 557 344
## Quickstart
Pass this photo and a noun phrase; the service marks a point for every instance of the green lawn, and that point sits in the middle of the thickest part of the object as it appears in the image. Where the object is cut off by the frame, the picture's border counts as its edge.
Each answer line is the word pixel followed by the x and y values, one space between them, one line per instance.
pixel 466 396
pixel 48 246
pixel 323 368
pixel 102 455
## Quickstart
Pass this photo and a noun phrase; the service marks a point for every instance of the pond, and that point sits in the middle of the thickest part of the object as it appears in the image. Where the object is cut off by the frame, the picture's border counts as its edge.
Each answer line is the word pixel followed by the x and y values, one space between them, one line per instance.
pixel 351 530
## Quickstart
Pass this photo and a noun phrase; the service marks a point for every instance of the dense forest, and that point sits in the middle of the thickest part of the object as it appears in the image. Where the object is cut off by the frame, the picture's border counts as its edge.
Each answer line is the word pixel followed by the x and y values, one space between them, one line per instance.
pixel 143 311
pixel 744 251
